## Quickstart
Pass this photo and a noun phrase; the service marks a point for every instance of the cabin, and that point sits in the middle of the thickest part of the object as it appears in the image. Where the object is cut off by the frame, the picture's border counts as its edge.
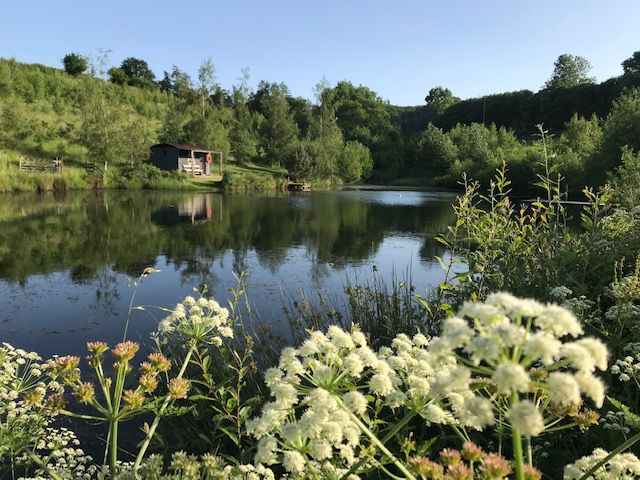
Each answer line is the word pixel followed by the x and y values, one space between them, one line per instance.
pixel 184 158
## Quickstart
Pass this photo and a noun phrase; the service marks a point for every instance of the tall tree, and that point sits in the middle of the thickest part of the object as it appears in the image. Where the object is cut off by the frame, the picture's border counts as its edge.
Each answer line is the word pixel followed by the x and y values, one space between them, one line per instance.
pixel 138 72
pixel 632 64
pixel 75 64
pixel 621 130
pixel 569 71
pixel 243 134
pixel 279 131
pixel 355 162
pixel 440 99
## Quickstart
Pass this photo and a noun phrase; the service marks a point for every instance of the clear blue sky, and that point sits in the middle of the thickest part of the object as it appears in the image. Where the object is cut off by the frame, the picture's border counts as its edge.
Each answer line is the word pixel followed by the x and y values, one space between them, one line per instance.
pixel 398 48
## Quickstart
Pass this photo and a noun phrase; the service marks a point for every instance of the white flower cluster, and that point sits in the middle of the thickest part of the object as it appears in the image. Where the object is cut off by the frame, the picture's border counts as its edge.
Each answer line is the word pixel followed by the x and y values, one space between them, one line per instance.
pixel 24 420
pixel 627 368
pixel 323 389
pixel 624 466
pixel 61 449
pixel 203 319
pixel 506 337
pixel 191 467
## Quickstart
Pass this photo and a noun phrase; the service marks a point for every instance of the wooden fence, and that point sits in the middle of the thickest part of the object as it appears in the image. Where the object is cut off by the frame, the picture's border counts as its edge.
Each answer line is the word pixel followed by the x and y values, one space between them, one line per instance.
pixel 42 165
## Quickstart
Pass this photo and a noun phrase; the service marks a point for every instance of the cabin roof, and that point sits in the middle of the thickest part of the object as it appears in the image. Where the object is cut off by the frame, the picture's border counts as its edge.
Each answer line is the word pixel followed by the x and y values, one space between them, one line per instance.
pixel 183 147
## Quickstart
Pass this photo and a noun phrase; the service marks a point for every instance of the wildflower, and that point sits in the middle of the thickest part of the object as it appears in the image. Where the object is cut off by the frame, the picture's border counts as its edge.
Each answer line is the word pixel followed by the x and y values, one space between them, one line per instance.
pixel 55 403
pixel 578 356
pixel 97 348
pixel 563 388
pixel 340 338
pixel 354 365
pixel 62 364
pixel 592 386
pixel 133 399
pixel 355 401
pixel 531 473
pixel 515 307
pixel 494 466
pixel 381 384
pixel 84 392
pixel 189 301
pixel 450 456
pixel 526 418
pixel 544 346
pixel 148 383
pixel 511 377
pixel 293 462
pixel 558 321
pixel 598 351
pixel 33 397
pixel 178 387
pixel 426 468
pixel 459 471
pixel 456 331
pixel 159 362
pixel 476 412
pixel 472 452
pixel 487 315
pixel 125 351
pixel 226 332
pixel 266 453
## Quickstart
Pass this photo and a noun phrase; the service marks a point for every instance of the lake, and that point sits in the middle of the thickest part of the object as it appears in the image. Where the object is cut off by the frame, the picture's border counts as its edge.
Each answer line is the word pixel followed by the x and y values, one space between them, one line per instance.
pixel 67 262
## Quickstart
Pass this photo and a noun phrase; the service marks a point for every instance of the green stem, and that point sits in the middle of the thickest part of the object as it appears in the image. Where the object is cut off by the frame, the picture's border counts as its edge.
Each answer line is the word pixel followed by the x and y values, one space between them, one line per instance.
pixel 518 458
pixel 156 420
pixel 36 459
pixel 113 447
pixel 114 417
pixel 375 440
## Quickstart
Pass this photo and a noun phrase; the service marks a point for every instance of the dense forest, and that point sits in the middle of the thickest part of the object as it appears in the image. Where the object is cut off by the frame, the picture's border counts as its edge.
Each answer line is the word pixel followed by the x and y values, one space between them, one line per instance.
pixel 91 110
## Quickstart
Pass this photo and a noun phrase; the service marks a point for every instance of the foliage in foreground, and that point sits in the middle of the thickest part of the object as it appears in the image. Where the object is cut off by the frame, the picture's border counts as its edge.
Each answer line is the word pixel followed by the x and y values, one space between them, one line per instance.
pixel 510 370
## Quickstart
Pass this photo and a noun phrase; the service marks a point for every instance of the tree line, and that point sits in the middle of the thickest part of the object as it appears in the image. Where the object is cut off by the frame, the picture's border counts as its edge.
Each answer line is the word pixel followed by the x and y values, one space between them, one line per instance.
pixel 92 109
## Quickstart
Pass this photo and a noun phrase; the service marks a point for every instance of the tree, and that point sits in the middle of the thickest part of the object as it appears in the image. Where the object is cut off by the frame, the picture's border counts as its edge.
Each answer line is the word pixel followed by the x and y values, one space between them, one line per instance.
pixel 632 65
pixel 117 76
pixel 355 162
pixel 75 64
pixel 435 151
pixel 621 129
pixel 244 127
pixel 138 72
pixel 569 71
pixel 440 99
pixel 279 131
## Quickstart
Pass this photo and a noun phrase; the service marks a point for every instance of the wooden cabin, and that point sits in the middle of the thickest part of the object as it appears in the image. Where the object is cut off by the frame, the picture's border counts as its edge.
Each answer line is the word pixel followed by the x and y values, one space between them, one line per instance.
pixel 185 158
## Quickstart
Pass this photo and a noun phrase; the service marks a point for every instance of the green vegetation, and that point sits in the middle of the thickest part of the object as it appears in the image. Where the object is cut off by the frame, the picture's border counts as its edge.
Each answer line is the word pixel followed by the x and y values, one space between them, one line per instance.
pixel 523 363
pixel 112 115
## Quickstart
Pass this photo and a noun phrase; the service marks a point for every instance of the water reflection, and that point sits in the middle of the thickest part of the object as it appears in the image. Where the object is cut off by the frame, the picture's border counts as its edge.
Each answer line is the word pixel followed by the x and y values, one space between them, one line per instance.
pixel 65 261
pixel 194 210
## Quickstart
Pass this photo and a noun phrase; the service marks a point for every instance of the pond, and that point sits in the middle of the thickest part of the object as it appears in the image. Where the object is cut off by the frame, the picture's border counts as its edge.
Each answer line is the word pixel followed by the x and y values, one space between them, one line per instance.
pixel 68 262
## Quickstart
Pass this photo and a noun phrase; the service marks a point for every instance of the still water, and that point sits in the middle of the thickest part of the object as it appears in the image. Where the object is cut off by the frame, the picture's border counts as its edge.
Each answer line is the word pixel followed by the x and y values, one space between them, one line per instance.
pixel 67 262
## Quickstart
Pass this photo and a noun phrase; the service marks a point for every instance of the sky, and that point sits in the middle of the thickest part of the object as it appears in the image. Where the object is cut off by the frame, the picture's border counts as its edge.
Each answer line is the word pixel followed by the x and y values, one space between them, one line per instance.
pixel 400 49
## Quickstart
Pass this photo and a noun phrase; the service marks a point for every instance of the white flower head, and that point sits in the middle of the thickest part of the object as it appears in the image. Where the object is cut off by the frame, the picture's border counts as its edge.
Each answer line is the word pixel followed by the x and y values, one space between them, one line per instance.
pixel 456 331
pixel 563 388
pixel 511 377
pixel 598 351
pixel 293 462
pixel 542 346
pixel 355 401
pixel 526 418
pixel 558 321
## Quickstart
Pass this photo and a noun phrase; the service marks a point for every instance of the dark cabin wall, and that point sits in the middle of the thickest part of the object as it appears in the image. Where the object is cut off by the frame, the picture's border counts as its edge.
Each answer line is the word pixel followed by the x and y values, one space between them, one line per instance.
pixel 165 158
